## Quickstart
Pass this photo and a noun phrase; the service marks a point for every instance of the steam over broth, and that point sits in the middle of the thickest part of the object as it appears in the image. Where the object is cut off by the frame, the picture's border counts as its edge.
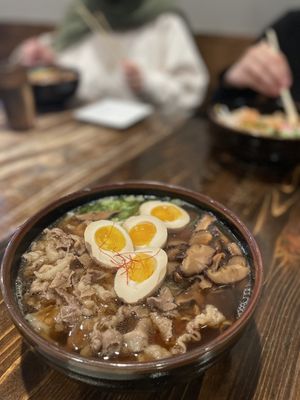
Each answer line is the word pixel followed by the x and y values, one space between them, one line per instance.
pixel 134 278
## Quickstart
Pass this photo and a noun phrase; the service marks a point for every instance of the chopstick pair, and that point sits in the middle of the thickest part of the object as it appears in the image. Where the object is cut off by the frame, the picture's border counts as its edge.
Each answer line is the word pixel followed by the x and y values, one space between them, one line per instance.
pixel 285 95
pixel 101 26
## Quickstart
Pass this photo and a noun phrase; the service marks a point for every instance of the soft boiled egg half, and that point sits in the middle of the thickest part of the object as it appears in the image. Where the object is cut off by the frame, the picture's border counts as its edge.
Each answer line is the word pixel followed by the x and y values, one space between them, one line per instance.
pixel 106 241
pixel 173 216
pixel 141 276
pixel 146 231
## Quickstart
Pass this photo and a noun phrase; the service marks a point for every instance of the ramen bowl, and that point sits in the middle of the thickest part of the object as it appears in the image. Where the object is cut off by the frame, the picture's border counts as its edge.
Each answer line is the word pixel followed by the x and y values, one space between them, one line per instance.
pixel 129 374
pixel 253 147
pixel 53 85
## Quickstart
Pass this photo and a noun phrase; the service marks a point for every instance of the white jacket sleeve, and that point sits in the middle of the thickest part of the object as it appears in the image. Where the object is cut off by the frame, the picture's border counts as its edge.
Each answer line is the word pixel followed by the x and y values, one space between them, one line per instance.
pixel 182 79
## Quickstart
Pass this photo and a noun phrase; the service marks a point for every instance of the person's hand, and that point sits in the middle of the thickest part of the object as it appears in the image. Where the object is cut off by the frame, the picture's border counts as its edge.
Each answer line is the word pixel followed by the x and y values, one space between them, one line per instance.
pixel 33 52
pixel 261 69
pixel 133 75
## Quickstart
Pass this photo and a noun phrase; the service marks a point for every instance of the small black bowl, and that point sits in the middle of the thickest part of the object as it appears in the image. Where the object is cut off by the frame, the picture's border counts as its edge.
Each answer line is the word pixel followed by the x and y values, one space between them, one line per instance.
pixel 254 148
pixel 52 92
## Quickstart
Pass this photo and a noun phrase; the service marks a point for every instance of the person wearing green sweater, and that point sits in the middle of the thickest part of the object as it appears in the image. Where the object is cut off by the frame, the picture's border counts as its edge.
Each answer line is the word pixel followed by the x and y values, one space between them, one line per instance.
pixel 145 51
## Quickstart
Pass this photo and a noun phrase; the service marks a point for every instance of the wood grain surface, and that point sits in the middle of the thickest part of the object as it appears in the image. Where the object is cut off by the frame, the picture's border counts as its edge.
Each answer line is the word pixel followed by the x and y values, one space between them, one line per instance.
pixel 61 156
pixel 265 364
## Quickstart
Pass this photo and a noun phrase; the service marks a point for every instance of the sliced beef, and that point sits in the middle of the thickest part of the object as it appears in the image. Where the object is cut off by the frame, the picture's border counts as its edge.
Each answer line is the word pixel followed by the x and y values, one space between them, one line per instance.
pixel 59 238
pixel 78 245
pixel 193 294
pixel 138 311
pixel 32 256
pixel 111 342
pixel 106 342
pixel 48 272
pixel 96 339
pixel 136 340
pixel 86 288
pixel 183 340
pixel 164 301
pixel 39 286
pixel 38 325
pixel 210 317
pixel 69 314
pixel 163 325
pixel 155 352
pixel 62 279
pixel 85 260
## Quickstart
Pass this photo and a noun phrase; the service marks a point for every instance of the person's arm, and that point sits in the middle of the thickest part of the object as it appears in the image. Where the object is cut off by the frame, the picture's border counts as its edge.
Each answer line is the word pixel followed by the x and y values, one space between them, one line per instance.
pixel 259 70
pixel 181 80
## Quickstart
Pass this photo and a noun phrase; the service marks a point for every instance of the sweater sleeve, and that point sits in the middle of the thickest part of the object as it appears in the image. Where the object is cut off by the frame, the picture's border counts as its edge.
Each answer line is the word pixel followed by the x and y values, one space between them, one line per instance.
pixel 182 78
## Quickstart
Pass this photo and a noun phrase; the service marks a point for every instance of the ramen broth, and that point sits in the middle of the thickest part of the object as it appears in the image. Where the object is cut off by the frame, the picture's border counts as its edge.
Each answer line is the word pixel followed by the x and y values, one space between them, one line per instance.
pixel 70 298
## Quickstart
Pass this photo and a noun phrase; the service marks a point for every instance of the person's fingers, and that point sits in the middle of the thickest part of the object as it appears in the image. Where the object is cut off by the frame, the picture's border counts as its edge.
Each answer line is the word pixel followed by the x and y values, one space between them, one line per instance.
pixel 33 53
pixel 133 75
pixel 273 63
pixel 261 69
pixel 257 79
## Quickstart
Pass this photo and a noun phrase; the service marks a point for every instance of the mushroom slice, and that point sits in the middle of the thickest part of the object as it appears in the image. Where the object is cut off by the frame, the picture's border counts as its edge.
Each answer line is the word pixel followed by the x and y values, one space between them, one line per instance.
pixel 216 261
pixel 201 237
pixel 229 273
pixel 204 283
pixel 194 294
pixel 198 258
pixel 205 222
pixel 237 260
pixel 234 249
pixel 171 267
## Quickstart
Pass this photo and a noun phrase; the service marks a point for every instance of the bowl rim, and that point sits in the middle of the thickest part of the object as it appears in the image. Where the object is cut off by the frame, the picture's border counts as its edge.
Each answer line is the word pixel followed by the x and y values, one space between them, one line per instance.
pixel 116 367
pixel 212 116
pixel 74 80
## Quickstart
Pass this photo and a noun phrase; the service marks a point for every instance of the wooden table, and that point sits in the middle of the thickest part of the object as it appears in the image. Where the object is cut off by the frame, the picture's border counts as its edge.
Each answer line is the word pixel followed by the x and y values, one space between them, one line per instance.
pixel 61 155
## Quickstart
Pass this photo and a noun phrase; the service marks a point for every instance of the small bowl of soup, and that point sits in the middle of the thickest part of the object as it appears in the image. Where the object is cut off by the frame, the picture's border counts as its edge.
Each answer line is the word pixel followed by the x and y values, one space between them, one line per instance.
pixel 53 85
pixel 133 284
pixel 257 133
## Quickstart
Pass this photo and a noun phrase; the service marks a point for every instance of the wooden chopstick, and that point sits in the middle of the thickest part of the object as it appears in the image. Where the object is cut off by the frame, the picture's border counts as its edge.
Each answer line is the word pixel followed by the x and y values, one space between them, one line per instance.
pixel 91 21
pixel 286 97
pixel 96 26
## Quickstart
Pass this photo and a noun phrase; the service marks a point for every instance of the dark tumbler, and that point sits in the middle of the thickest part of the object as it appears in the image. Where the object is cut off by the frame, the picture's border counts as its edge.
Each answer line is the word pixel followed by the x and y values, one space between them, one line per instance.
pixel 16 95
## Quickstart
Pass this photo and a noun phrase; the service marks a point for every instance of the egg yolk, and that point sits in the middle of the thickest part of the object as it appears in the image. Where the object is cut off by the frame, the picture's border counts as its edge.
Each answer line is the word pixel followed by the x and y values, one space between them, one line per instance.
pixel 166 213
pixel 142 234
pixel 110 238
pixel 141 268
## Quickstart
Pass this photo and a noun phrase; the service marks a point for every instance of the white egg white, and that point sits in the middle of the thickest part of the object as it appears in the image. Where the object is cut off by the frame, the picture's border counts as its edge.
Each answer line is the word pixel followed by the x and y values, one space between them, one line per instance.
pixel 160 237
pixel 132 292
pixel 184 218
pixel 106 258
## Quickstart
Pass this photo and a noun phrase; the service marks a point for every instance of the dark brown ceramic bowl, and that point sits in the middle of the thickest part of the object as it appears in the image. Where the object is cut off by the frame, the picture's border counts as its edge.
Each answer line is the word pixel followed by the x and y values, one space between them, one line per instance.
pixel 134 375
pixel 54 92
pixel 254 148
